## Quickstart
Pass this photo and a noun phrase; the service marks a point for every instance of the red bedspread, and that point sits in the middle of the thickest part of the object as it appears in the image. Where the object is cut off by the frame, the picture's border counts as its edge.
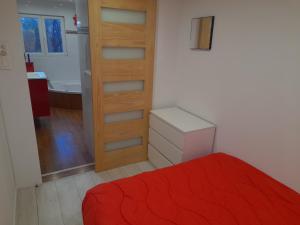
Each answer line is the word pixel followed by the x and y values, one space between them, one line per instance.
pixel 214 190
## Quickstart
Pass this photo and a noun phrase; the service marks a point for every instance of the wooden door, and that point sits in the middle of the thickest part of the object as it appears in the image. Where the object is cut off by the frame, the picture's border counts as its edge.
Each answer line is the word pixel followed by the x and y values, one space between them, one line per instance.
pixel 122 42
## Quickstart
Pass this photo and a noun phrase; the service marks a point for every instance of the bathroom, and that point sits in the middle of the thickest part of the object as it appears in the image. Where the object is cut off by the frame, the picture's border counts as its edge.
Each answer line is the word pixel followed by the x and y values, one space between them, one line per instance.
pixel 56 50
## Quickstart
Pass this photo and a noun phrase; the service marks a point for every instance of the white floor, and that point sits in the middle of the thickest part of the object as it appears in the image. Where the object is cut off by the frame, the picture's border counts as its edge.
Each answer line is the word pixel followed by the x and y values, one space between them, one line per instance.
pixel 59 202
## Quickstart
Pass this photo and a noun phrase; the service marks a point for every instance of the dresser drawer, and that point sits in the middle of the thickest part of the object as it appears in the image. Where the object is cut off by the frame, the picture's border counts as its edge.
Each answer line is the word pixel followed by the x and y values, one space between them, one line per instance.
pixel 178 136
pixel 170 133
pixel 157 159
pixel 170 151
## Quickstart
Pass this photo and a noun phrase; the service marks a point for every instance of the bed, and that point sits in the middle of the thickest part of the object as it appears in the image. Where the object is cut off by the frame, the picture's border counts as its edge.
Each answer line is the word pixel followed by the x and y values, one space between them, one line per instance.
pixel 215 190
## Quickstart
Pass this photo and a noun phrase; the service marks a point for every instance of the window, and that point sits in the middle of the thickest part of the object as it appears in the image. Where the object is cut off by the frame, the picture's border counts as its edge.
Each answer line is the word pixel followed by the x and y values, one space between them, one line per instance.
pixel 54 35
pixel 31 34
pixel 43 34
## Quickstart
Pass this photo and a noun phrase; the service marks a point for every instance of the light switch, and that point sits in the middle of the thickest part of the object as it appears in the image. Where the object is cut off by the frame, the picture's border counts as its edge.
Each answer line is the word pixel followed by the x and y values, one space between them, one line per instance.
pixel 4 56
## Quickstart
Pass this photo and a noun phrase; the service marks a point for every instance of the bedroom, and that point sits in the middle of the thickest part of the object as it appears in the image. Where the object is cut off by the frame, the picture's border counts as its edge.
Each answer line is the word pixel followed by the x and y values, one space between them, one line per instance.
pixel 247 85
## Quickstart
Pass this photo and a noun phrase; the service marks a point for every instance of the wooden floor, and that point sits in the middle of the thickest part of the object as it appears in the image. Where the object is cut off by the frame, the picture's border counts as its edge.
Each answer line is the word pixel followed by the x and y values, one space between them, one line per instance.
pixel 60 140
pixel 59 202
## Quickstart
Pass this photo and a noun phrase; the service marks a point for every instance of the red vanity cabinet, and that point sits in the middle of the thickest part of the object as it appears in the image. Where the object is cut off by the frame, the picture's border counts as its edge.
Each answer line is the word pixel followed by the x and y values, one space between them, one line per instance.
pixel 38 87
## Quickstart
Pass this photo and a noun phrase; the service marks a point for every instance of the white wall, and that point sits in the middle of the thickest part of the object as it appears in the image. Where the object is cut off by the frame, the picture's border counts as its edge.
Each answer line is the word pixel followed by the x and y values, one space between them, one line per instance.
pixel 82 12
pixel 7 183
pixel 63 67
pixel 248 84
pixel 165 77
pixel 15 101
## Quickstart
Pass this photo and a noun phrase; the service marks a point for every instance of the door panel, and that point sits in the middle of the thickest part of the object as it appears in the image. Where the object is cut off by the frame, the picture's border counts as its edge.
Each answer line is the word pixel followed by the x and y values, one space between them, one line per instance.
pixel 122 70
pixel 138 5
pixel 124 102
pixel 129 35
pixel 123 130
pixel 122 35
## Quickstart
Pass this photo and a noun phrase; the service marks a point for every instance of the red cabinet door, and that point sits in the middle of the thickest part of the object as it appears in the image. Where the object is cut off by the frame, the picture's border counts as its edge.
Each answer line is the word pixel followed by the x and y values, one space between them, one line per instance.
pixel 39 97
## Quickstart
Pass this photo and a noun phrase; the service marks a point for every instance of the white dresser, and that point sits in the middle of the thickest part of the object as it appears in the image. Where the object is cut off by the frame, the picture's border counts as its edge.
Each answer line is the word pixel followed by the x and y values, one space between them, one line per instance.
pixel 176 136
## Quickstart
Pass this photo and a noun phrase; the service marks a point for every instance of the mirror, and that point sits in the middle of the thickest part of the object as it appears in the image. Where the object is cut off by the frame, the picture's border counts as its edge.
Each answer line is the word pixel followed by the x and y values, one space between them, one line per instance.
pixel 202 33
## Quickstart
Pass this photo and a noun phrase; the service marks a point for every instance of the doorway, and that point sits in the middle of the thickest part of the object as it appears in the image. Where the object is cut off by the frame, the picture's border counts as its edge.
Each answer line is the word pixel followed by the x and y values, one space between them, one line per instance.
pixel 56 54
pixel 122 39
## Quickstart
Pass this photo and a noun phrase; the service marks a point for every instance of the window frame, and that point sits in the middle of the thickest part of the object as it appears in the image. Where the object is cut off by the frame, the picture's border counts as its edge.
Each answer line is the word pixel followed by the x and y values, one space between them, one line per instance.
pixel 43 34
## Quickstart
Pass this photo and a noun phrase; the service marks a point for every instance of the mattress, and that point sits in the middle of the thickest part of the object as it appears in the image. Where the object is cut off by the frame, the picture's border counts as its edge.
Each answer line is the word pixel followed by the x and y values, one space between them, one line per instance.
pixel 215 190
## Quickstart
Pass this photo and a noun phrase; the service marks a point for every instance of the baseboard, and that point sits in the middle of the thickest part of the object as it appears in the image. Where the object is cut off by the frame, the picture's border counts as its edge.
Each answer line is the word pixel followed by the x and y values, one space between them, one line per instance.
pixel 68 172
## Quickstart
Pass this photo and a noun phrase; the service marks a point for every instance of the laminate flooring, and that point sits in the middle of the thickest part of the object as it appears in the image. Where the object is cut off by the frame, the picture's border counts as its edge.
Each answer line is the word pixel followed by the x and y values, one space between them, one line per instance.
pixel 60 139
pixel 59 202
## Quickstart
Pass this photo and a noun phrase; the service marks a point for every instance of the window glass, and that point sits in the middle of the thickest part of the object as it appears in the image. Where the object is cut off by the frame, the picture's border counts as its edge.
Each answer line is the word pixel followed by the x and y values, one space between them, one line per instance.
pixel 123 144
pixel 124 116
pixel 31 34
pixel 134 85
pixel 123 16
pixel 53 28
pixel 123 53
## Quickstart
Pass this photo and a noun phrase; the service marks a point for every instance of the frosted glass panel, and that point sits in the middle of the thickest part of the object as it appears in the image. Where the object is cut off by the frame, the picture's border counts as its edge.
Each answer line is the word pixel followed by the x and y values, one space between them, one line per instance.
pixel 123 144
pixel 118 117
pixel 137 85
pixel 123 16
pixel 123 53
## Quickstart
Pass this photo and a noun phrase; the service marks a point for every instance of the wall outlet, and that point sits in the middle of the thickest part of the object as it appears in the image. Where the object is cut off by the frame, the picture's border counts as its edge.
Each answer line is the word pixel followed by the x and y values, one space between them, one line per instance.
pixel 5 63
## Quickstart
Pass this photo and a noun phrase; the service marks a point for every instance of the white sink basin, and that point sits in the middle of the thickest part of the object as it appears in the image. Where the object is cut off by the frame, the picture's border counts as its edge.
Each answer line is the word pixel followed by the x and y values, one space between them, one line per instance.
pixel 36 75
